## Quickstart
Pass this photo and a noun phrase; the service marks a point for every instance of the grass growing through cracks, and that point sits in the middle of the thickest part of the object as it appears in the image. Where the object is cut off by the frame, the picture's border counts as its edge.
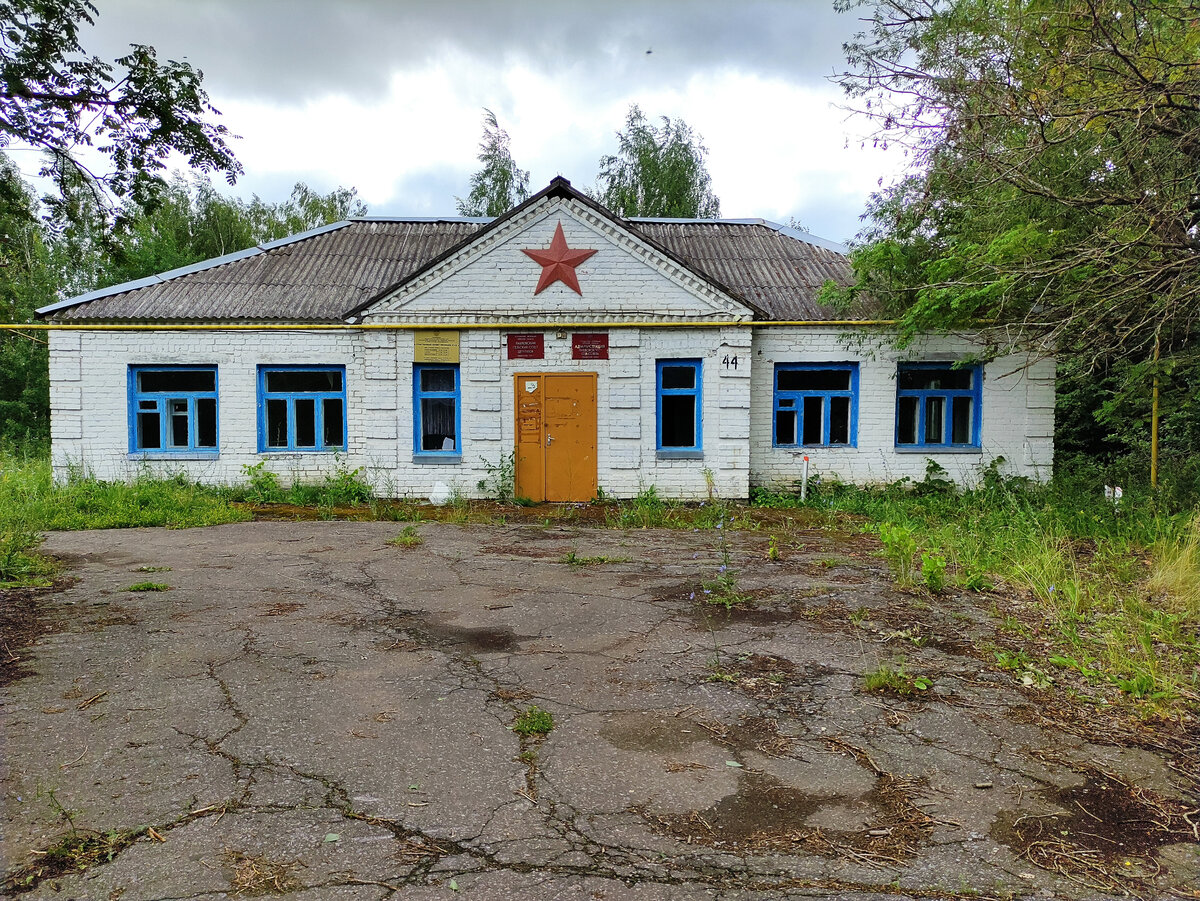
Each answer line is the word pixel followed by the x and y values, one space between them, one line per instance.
pixel 409 537
pixel 533 721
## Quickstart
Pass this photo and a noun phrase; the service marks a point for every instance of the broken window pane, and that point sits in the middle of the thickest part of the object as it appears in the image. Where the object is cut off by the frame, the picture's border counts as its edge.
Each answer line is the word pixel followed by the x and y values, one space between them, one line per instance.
pixel 912 379
pixel 679 377
pixel 306 422
pixel 785 427
pixel 906 425
pixel 331 417
pixel 678 420
pixel 814 380
pixel 960 421
pixel 148 435
pixel 277 429
pixel 839 420
pixel 298 381
pixel 176 380
pixel 935 413
pixel 814 425
pixel 206 422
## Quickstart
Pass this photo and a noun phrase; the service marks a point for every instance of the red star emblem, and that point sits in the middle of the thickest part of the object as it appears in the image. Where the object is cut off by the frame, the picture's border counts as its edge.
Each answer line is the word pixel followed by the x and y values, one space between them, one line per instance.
pixel 558 263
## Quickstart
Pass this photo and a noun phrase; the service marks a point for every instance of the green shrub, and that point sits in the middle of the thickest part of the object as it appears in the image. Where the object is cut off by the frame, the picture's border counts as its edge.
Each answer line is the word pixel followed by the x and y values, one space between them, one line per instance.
pixel 262 485
pixel 899 546
pixel 933 571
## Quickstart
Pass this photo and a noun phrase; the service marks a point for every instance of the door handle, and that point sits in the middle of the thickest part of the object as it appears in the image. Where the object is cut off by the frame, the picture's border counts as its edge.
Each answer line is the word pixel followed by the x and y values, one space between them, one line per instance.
pixel 549 438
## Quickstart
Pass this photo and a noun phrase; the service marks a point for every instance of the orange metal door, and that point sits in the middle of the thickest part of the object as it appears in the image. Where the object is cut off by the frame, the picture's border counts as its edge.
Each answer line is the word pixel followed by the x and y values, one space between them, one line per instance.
pixel 531 442
pixel 569 420
pixel 556 436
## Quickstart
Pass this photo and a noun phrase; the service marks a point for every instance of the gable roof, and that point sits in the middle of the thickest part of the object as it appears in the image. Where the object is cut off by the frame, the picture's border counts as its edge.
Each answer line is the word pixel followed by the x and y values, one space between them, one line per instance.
pixel 332 273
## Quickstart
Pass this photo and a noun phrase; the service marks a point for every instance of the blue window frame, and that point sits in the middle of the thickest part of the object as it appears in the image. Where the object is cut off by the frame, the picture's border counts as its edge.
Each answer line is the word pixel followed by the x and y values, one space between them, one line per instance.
pixel 301 408
pixel 679 408
pixel 173 409
pixel 436 411
pixel 816 405
pixel 938 405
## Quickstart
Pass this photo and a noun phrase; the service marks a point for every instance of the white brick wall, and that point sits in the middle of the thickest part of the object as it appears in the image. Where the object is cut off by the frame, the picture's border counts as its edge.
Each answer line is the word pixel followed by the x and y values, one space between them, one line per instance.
pixel 1017 412
pixel 90 406
pixel 89 400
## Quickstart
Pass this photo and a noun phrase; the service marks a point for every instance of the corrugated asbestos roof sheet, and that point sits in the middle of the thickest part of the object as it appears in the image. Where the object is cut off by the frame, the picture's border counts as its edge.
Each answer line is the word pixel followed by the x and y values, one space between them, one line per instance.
pixel 321 277
pixel 780 274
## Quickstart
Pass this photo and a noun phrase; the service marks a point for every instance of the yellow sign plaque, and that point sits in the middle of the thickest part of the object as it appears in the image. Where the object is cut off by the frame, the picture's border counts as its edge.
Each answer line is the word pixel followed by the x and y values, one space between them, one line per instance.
pixel 436 347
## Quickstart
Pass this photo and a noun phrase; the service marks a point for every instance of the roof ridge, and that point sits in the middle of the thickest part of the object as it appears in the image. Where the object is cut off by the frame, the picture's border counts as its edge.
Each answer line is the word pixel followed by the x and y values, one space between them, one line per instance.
pixel 797 234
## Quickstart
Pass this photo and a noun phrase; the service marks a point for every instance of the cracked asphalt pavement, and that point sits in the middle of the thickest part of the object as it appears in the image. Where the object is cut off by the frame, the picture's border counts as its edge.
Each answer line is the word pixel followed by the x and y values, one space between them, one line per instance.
pixel 311 702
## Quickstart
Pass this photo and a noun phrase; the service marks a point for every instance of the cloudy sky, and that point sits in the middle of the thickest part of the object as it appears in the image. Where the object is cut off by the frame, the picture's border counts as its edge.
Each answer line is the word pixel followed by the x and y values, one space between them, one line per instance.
pixel 387 95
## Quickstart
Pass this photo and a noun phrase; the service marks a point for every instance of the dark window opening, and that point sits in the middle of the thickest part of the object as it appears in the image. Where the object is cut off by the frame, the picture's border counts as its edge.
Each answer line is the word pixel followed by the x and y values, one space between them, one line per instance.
pixel 206 422
pixel 906 425
pixel 813 380
pixel 678 421
pixel 839 420
pixel 163 381
pixel 174 409
pixel 960 421
pixel 148 436
pixel 937 405
pixel 277 429
pixel 303 408
pixel 306 422
pixel 785 427
pixel 332 417
pixel 679 408
pixel 935 430
pixel 936 379
pixel 678 377
pixel 825 397
pixel 296 381
pixel 814 426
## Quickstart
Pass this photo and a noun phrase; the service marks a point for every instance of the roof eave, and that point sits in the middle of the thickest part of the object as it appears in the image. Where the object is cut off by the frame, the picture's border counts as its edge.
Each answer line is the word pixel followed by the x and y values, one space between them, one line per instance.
pixel 187 270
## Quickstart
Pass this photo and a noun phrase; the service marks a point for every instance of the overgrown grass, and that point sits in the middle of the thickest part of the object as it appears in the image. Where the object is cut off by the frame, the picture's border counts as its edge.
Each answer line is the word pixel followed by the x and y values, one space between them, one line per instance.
pixel 1111 592
pixel 31 501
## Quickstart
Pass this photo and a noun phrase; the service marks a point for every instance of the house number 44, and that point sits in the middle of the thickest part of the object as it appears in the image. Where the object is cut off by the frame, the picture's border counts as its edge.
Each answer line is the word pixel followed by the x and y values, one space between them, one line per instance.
pixel 729 362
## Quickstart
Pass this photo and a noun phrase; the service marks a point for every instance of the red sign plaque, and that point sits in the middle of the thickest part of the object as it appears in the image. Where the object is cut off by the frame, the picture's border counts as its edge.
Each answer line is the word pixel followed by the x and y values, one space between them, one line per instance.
pixel 589 346
pixel 526 346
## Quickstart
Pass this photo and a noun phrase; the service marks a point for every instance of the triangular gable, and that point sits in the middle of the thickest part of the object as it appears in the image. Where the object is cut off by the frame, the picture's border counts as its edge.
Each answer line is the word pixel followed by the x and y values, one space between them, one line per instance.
pixel 490 277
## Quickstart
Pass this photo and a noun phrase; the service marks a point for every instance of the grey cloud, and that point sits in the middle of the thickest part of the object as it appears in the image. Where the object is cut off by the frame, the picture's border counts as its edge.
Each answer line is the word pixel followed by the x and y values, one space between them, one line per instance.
pixel 285 51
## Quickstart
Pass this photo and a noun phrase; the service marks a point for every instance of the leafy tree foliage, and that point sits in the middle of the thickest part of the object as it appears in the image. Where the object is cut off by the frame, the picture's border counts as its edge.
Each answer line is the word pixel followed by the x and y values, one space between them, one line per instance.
pixel 657 171
pixel 25 280
pixel 190 221
pixel 134 111
pixel 500 184
pixel 78 248
pixel 1056 185
pixel 1054 195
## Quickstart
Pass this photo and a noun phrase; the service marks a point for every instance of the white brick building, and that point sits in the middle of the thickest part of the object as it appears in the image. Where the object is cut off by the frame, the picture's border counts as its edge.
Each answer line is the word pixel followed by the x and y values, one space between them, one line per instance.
pixel 432 351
